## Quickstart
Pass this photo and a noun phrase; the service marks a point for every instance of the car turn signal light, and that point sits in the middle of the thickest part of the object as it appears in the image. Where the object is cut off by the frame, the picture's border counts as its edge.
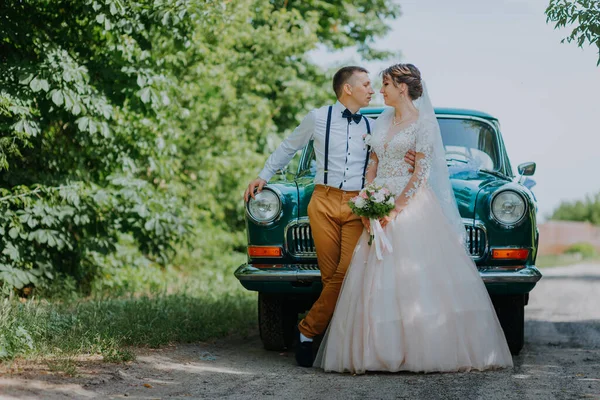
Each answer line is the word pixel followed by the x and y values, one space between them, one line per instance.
pixel 264 251
pixel 510 254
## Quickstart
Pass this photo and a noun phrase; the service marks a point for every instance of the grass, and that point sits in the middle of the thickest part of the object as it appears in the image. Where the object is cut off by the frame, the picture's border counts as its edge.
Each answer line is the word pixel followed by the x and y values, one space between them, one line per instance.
pixel 105 326
pixel 190 307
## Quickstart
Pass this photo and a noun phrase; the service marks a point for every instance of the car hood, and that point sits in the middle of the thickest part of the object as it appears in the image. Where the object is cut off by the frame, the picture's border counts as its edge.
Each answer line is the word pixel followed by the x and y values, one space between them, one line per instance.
pixel 467 186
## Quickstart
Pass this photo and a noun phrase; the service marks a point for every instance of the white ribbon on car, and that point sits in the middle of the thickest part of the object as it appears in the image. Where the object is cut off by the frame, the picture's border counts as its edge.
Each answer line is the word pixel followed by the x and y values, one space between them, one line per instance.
pixel 382 243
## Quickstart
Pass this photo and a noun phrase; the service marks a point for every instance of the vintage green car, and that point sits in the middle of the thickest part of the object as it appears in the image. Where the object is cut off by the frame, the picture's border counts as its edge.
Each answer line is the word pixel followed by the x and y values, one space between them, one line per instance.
pixel 498 211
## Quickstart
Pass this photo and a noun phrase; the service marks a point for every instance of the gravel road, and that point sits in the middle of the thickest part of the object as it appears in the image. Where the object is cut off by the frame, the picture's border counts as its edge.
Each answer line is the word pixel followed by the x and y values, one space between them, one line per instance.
pixel 561 360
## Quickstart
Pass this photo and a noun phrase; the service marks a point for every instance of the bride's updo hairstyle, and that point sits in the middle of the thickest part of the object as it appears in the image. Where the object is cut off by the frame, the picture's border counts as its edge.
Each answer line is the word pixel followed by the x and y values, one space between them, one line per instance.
pixel 405 73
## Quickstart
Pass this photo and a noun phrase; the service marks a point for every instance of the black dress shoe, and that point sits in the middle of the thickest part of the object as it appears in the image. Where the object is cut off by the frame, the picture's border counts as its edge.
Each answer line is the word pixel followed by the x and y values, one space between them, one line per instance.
pixel 304 352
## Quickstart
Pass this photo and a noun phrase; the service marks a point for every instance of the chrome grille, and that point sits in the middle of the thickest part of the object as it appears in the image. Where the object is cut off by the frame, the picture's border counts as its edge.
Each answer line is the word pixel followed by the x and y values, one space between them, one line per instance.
pixel 475 241
pixel 307 267
pixel 300 243
pixel 299 240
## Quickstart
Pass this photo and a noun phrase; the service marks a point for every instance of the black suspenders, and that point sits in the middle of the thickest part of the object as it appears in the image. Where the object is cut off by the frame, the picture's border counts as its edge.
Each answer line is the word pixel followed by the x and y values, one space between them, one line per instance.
pixel 327 131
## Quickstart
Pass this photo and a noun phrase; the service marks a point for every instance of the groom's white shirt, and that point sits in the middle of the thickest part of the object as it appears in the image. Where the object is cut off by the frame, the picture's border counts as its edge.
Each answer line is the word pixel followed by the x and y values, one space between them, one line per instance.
pixel 347 149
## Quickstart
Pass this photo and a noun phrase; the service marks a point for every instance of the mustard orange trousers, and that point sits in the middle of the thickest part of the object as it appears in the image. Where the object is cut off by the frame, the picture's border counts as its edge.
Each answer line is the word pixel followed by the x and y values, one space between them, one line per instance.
pixel 335 231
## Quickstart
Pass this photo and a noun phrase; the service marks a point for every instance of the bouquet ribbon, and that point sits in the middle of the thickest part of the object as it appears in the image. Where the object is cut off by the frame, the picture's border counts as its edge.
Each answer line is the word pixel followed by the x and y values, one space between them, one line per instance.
pixel 382 243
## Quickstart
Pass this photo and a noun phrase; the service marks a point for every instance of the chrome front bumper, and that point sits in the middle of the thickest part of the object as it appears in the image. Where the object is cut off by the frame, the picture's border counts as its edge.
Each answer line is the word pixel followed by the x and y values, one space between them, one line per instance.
pixel 311 273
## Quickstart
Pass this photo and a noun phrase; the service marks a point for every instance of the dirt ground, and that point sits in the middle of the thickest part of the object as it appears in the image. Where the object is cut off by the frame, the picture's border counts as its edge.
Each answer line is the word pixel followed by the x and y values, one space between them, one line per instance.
pixel 561 360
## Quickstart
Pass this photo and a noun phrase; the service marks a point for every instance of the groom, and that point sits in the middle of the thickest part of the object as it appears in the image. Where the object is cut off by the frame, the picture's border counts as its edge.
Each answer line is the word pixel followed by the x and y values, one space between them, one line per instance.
pixel 337 132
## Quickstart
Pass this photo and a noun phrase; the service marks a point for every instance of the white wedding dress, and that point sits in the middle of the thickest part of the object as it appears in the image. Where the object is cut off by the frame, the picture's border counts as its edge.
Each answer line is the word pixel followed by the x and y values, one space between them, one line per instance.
pixel 424 307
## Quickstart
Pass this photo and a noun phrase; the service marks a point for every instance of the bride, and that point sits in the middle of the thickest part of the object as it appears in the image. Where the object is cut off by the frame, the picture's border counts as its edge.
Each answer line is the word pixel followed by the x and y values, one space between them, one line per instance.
pixel 423 307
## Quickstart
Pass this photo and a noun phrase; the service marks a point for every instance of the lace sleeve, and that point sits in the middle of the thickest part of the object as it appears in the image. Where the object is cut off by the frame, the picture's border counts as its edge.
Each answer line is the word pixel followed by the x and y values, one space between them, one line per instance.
pixel 424 158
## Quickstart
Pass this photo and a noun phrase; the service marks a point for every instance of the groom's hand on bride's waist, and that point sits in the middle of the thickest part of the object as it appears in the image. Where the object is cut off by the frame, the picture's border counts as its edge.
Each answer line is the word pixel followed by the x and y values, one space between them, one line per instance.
pixel 256 185
pixel 410 158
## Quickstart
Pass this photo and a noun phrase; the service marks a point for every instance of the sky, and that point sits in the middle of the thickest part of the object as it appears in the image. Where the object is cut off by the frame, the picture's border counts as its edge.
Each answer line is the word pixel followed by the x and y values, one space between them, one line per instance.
pixel 502 57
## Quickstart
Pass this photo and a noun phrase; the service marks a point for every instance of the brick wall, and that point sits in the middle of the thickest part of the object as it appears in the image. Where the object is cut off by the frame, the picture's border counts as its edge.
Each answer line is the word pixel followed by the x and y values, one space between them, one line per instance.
pixel 557 236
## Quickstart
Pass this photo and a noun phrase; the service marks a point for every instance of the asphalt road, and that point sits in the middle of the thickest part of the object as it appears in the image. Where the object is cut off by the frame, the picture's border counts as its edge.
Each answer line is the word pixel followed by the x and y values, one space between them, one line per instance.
pixel 561 360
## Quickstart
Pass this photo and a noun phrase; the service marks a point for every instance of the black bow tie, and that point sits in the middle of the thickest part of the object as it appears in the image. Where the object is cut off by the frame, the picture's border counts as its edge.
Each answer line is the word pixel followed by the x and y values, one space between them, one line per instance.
pixel 348 115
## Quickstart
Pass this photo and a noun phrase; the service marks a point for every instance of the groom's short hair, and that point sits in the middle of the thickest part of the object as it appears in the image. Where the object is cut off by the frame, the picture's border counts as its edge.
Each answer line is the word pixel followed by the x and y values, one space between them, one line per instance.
pixel 343 76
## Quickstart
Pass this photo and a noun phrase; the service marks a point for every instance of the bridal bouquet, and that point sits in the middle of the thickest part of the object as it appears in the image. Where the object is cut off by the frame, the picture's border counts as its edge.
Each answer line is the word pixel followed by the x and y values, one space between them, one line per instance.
pixel 374 202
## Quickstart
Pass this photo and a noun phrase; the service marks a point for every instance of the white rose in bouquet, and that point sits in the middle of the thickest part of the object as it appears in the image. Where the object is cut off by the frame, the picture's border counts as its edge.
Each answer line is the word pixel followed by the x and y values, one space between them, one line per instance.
pixel 379 197
pixel 360 202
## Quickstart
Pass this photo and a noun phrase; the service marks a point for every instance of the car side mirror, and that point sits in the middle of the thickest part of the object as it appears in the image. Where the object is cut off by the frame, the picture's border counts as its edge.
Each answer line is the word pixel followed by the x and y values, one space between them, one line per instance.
pixel 526 169
pixel 282 171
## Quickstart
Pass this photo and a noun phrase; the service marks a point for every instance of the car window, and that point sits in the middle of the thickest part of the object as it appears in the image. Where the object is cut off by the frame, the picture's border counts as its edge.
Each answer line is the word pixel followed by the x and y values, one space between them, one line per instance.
pixel 308 164
pixel 469 144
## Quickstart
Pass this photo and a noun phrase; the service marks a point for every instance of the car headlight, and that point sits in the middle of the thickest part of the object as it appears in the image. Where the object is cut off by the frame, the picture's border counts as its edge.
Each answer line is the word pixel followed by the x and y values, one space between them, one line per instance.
pixel 508 207
pixel 265 207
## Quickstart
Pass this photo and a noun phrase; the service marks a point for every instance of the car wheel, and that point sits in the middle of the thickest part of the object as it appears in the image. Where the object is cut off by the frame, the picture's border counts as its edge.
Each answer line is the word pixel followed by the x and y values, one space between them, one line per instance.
pixel 277 319
pixel 511 314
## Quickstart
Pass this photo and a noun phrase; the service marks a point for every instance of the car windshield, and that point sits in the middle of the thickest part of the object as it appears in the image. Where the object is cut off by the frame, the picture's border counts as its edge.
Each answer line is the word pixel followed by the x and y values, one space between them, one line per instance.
pixel 469 144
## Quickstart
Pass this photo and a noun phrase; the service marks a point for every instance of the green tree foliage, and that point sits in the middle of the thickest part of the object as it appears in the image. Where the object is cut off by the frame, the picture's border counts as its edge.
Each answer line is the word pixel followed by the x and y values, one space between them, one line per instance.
pixel 84 133
pixel 581 210
pixel 584 14
pixel 345 23
pixel 143 120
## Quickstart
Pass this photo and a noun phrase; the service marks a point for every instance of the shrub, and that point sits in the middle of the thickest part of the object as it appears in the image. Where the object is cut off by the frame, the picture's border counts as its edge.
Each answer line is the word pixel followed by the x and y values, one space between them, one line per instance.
pixel 585 249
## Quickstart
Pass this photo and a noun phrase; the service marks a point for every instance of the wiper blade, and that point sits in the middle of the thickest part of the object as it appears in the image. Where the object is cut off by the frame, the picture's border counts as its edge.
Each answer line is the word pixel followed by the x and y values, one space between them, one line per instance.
pixel 494 173
pixel 456 159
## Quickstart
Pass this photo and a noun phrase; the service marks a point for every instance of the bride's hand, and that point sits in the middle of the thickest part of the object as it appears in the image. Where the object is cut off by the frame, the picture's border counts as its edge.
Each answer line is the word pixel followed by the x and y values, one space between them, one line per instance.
pixel 367 223
pixel 389 218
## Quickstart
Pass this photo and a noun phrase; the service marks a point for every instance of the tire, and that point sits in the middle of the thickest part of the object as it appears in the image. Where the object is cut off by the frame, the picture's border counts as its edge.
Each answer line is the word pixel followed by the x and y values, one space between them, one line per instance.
pixel 277 319
pixel 511 314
